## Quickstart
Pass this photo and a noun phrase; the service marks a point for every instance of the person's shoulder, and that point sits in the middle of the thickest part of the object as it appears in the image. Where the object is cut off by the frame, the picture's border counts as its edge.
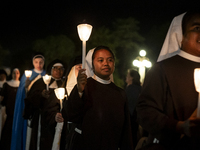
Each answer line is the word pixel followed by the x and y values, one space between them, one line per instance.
pixel 114 86
pixel 170 60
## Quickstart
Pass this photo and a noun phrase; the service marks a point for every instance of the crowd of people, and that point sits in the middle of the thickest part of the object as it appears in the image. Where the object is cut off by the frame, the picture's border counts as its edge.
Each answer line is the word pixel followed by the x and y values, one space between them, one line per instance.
pixel 97 114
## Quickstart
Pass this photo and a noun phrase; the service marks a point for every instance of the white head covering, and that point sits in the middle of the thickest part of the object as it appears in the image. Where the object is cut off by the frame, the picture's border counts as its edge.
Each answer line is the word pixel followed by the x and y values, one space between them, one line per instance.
pixel 88 65
pixel 71 80
pixel 172 43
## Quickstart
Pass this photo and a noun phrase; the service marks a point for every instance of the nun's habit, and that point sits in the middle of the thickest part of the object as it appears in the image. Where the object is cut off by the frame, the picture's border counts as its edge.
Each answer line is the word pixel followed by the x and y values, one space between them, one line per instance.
pixel 19 128
pixel 9 92
pixel 102 113
pixel 168 93
pixel 40 111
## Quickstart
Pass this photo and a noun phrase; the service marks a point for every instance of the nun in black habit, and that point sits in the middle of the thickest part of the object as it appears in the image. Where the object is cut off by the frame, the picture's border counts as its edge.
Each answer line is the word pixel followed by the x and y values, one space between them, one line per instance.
pixel 38 107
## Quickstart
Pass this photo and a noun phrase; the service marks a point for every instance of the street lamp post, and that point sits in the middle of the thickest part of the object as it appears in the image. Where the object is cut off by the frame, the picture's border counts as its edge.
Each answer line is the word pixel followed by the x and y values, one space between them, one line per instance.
pixel 84 31
pixel 142 63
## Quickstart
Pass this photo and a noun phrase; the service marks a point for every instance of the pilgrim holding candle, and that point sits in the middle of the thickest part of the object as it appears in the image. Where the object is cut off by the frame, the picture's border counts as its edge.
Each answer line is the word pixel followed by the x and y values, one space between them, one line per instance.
pixel 99 107
pixel 167 106
pixel 38 107
pixel 19 128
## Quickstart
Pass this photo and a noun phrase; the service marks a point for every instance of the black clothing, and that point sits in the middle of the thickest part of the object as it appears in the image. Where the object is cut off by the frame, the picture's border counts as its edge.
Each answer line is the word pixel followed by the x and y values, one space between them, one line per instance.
pixel 9 94
pixel 168 96
pixel 103 114
pixel 37 106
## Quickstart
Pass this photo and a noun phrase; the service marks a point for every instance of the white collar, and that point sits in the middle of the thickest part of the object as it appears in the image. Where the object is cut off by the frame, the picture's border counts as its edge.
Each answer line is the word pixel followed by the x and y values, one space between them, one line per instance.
pixel 189 56
pixel 13 83
pixel 101 80
pixel 37 71
pixel 55 78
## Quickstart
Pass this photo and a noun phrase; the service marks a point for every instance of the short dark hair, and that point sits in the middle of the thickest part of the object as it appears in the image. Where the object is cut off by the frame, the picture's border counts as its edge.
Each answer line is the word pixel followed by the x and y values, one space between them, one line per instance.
pixel 99 48
pixel 188 16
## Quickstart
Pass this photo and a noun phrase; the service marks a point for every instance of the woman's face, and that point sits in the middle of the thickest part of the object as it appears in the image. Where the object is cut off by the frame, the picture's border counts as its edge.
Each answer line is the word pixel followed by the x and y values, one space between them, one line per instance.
pixel 16 74
pixel 191 38
pixel 104 64
pixel 38 64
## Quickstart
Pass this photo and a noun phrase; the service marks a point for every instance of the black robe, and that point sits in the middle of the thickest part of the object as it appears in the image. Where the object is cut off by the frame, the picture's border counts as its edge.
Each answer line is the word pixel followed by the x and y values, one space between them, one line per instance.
pixel 103 114
pixel 36 105
pixel 168 96
pixel 9 94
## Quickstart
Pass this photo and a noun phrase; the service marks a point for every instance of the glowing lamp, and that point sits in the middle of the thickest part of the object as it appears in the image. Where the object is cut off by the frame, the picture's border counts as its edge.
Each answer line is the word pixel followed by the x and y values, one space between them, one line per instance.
pixel 84 31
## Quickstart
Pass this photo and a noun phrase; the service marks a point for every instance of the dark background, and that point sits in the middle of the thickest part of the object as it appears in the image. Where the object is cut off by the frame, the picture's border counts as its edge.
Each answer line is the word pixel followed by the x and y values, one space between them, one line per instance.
pixel 23 22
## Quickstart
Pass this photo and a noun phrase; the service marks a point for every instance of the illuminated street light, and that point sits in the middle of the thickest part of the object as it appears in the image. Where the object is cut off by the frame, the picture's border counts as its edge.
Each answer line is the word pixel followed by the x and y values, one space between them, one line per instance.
pixel 142 62
pixel 84 31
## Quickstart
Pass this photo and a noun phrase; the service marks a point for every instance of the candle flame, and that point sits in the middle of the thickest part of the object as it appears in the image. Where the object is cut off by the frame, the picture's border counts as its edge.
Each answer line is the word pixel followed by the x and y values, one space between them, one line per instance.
pixel 197 79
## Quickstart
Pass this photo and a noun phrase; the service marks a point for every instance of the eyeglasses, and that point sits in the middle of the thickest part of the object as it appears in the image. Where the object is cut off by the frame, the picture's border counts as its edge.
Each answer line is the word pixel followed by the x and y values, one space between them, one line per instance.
pixel 58 68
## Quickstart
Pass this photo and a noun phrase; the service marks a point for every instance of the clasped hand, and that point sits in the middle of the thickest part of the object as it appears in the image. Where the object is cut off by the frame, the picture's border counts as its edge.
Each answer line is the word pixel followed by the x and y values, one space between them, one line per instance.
pixel 59 118
pixel 45 93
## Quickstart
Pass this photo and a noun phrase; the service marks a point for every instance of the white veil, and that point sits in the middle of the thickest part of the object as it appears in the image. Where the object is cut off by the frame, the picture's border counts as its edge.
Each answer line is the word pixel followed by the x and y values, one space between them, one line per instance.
pixel 172 43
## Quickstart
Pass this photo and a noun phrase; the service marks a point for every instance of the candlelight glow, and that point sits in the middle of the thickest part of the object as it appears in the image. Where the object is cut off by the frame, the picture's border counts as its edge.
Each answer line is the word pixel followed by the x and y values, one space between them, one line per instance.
pixel 60 93
pixel 47 79
pixel 197 79
pixel 28 73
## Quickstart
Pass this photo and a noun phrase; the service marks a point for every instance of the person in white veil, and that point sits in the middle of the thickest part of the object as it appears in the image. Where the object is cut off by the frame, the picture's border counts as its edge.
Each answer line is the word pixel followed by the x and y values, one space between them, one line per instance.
pixel 72 74
pixel 168 101
pixel 88 65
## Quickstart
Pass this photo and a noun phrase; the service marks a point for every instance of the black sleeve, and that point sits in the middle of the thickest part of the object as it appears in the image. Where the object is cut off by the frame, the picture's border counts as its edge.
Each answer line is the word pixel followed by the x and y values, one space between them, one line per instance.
pixel 73 108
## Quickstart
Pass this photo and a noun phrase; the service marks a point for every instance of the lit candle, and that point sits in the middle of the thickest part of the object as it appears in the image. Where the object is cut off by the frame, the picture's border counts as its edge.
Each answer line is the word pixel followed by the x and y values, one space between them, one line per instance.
pixel 60 94
pixel 28 73
pixel 47 80
pixel 197 86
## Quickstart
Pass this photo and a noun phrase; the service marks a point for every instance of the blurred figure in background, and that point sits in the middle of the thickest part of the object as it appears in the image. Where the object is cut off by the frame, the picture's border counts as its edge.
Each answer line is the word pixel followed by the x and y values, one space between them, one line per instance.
pixel 19 129
pixel 43 108
pixel 7 99
pixel 133 89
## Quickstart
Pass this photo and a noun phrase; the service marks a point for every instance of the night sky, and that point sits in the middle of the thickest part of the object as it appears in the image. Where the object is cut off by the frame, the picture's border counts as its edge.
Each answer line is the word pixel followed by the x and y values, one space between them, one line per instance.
pixel 24 22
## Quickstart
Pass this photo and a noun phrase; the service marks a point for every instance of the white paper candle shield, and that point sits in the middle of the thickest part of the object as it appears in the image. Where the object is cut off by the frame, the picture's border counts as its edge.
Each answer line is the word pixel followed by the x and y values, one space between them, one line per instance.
pixel 28 73
pixel 60 94
pixel 47 80
pixel 197 87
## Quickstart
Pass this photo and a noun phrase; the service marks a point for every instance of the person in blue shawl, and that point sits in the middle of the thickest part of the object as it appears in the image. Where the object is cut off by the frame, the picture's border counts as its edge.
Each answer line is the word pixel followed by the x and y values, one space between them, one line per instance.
pixel 19 128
